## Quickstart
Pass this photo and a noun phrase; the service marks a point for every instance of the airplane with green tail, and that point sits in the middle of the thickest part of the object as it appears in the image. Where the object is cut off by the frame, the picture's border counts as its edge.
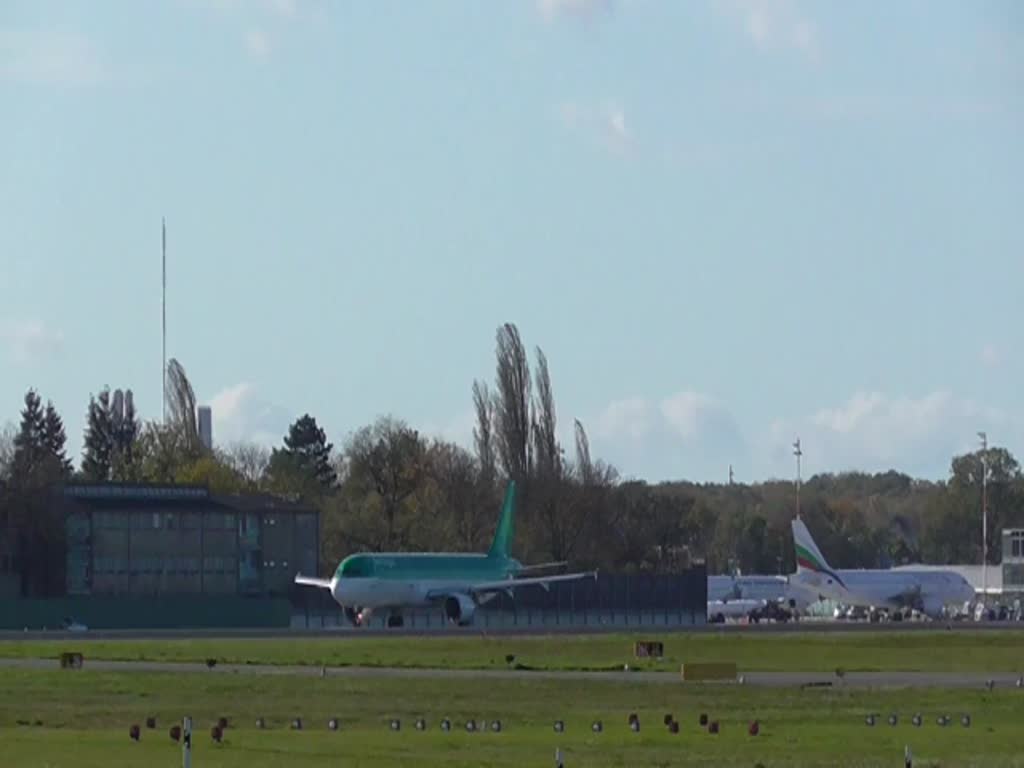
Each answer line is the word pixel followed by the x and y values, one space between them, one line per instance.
pixel 459 583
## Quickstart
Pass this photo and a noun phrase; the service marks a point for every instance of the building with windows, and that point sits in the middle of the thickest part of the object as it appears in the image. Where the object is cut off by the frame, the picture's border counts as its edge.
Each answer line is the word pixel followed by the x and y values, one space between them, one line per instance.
pixel 1013 560
pixel 157 540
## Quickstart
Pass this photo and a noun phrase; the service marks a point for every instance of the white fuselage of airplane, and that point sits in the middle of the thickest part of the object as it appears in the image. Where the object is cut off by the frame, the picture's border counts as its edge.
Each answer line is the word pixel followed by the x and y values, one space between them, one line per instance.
pixel 727 588
pixel 926 591
pixel 373 593
pixel 767 588
pixel 733 609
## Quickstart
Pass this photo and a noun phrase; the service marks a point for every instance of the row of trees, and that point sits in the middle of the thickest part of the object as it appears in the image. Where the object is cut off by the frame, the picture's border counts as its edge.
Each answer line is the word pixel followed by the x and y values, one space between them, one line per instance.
pixel 388 487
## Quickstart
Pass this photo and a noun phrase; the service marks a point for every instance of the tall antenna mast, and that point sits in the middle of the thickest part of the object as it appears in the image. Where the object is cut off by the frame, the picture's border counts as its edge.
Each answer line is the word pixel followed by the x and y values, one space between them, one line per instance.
pixel 798 453
pixel 163 307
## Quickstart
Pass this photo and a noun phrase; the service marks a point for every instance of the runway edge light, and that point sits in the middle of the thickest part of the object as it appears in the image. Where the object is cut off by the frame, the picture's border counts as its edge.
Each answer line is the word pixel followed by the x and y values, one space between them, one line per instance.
pixel 186 743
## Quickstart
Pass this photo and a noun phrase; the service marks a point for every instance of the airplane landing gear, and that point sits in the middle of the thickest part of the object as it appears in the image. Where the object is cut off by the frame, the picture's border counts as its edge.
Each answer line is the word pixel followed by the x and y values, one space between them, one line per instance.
pixel 396 620
pixel 358 616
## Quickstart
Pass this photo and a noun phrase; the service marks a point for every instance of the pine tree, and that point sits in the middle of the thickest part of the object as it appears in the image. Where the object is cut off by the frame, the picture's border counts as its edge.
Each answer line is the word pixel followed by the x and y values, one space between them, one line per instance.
pixel 39 462
pixel 30 444
pixel 55 439
pixel 97 456
pixel 306 443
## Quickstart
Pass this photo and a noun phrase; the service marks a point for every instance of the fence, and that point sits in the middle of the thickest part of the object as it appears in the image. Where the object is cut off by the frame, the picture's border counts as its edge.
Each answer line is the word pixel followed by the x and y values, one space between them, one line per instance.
pixel 170 612
pixel 612 600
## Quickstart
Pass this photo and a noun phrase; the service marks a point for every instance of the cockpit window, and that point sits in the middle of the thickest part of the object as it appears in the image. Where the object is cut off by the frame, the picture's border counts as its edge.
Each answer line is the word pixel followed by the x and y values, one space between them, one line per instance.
pixel 357 567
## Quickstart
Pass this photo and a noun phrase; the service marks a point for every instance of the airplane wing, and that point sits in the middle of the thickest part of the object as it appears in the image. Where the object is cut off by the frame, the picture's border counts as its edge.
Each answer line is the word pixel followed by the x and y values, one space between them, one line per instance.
pixel 507 585
pixel 309 581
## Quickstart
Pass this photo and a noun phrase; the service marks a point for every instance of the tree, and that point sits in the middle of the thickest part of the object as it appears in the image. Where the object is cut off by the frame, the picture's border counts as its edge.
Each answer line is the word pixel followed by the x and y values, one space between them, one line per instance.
pixel 98 451
pixel 558 522
pixel 483 433
pixel 6 452
pixel 387 467
pixel 547 453
pixel 30 443
pixel 307 450
pixel 55 440
pixel 286 476
pixel 465 503
pixel 125 430
pixel 181 408
pixel 161 453
pixel 512 406
pixel 214 473
pixel 112 432
pixel 38 464
pixel 249 460
pixel 1005 505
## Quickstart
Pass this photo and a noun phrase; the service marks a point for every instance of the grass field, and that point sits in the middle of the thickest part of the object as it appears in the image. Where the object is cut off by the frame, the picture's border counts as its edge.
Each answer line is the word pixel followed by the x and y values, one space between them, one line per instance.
pixel 960 651
pixel 80 719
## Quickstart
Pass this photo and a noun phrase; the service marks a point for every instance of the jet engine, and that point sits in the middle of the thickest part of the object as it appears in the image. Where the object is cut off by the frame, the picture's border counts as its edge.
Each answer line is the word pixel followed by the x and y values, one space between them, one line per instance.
pixel 459 609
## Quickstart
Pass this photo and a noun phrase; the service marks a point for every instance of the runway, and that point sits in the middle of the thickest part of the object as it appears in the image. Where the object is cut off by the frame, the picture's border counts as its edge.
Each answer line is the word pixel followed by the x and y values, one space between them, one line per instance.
pixel 859 680
pixel 343 633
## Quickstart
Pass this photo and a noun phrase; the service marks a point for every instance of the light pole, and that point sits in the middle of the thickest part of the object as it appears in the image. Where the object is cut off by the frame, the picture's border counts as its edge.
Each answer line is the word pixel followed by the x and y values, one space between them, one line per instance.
pixel 798 453
pixel 984 516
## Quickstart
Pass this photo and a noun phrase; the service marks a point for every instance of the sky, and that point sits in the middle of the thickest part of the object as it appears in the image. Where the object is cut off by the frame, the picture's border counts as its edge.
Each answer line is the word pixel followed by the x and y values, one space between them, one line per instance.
pixel 728 224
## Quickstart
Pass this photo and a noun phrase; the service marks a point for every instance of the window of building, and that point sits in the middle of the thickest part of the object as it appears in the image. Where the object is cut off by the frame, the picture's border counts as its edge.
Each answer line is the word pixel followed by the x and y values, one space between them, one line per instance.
pixel 1017 544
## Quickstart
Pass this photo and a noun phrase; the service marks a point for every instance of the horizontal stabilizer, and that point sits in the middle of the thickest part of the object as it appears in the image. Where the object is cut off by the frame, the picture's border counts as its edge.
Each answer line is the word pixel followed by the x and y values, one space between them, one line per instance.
pixel 309 581
pixel 541 566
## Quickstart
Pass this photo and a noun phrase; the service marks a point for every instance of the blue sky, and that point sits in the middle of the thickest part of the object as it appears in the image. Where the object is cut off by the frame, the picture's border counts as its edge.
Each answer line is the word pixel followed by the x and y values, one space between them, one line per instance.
pixel 728 223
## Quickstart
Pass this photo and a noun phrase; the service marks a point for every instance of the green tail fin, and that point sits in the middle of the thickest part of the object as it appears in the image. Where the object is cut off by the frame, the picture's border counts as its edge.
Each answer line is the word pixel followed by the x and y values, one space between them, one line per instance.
pixel 502 544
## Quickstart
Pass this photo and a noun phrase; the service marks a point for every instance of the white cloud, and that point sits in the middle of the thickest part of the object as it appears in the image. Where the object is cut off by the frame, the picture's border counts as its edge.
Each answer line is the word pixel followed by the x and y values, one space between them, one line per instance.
pixel 990 355
pixel 30 340
pixel 257 44
pixel 685 435
pixel 605 125
pixel 240 413
pixel 551 9
pixel 628 419
pixel 49 57
pixel 261 22
pixel 686 412
pixel 458 430
pixel 283 7
pixel 774 24
pixel 287 8
pixel 617 124
pixel 694 436
pixel 873 431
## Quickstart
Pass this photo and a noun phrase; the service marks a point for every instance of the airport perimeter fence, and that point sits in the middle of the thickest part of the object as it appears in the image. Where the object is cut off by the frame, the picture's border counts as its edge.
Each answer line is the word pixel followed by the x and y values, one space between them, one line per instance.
pixel 612 600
